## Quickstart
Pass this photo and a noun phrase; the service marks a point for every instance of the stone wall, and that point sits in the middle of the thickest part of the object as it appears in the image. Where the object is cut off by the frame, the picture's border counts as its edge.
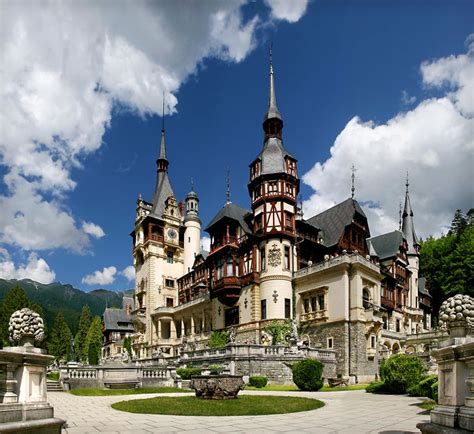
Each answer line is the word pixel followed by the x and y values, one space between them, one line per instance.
pixel 361 367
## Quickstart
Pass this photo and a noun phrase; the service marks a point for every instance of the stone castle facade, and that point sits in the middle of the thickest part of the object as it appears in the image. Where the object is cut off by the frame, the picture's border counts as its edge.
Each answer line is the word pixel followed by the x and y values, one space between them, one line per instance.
pixel 356 294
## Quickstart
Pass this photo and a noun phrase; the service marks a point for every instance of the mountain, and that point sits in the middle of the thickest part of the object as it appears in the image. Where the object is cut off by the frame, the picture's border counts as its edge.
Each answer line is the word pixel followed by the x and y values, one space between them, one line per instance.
pixel 56 297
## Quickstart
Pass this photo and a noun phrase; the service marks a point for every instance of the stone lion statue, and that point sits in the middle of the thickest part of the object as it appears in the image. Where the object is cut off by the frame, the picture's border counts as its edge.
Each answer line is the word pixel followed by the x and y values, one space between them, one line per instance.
pixel 26 325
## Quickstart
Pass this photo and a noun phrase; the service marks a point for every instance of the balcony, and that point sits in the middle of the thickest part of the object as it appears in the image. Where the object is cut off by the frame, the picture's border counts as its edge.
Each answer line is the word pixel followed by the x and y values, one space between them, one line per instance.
pixel 316 315
pixel 227 290
pixel 387 303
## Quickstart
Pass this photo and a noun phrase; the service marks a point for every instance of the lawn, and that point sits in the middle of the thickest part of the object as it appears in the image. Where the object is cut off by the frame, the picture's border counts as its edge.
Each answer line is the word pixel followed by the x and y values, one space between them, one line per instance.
pixel 112 392
pixel 293 388
pixel 242 406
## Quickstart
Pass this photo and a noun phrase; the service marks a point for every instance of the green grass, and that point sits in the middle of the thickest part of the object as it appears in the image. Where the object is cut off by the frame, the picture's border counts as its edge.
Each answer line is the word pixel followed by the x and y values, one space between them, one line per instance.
pixel 429 404
pixel 293 388
pixel 242 406
pixel 112 392
pixel 54 376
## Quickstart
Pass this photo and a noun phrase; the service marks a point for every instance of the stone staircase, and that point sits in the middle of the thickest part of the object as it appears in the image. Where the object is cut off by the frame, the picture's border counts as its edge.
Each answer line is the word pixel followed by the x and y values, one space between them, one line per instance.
pixel 54 386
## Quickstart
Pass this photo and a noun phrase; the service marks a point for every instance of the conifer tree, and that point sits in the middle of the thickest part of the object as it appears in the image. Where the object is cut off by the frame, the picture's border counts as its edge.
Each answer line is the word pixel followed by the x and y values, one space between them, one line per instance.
pixel 15 299
pixel 94 341
pixel 81 335
pixel 60 339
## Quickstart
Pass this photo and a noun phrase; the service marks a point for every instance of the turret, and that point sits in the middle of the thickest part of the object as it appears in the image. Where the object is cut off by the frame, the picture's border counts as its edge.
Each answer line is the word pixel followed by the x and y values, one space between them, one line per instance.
pixel 192 234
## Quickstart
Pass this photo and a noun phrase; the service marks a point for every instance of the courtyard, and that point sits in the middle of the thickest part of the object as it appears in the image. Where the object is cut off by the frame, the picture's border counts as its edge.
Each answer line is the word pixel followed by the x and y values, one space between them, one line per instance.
pixel 345 412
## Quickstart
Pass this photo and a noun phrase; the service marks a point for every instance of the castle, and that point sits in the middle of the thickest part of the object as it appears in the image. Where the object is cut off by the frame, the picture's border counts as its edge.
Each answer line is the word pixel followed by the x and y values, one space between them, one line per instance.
pixel 356 294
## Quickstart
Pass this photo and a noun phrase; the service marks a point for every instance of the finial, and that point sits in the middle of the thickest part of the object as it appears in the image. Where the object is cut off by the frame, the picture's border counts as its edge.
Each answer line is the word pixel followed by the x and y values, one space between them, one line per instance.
pixel 271 58
pixel 192 184
pixel 353 181
pixel 227 194
pixel 400 216
pixel 407 183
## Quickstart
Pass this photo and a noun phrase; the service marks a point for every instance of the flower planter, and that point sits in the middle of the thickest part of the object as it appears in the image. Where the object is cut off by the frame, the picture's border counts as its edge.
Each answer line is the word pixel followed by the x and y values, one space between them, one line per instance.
pixel 217 386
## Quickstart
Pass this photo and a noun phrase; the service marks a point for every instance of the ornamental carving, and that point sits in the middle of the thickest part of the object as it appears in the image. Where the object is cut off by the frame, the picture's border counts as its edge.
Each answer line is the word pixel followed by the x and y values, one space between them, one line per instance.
pixel 274 256
pixel 457 308
pixel 25 327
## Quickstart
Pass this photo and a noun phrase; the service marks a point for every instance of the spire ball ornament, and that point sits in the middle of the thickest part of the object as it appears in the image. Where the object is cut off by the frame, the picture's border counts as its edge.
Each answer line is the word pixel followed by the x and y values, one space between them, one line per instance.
pixel 26 327
pixel 457 309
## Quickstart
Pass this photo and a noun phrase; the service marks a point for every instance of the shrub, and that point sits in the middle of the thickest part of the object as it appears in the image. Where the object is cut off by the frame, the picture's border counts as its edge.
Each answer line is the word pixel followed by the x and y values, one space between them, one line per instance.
pixel 187 373
pixel 53 376
pixel 218 339
pixel 307 374
pixel 400 372
pixel 215 369
pixel 423 388
pixel 377 387
pixel 258 381
pixel 434 391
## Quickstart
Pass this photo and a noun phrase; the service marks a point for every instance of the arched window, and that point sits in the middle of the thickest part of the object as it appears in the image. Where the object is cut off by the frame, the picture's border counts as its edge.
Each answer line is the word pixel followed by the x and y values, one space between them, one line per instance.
pixel 366 298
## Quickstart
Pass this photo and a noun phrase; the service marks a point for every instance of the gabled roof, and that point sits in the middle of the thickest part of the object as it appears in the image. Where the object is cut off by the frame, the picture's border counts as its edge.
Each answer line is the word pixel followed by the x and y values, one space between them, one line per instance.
pixel 422 289
pixel 408 227
pixel 333 221
pixel 386 245
pixel 233 212
pixel 117 319
pixel 273 156
pixel 163 191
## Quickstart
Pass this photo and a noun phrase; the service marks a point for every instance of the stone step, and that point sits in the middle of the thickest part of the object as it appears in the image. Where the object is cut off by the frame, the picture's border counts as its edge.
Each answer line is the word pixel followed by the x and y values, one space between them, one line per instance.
pixel 54 386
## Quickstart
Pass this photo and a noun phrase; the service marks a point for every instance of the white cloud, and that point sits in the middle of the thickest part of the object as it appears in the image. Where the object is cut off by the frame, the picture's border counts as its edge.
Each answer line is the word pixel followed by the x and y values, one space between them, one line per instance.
pixel 434 142
pixel 289 10
pixel 93 229
pixel 407 99
pixel 36 269
pixel 129 273
pixel 206 243
pixel 104 277
pixel 60 84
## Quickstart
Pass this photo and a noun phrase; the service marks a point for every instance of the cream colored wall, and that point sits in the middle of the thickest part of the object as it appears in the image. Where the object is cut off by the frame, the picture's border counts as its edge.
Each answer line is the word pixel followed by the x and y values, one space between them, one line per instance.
pixel 245 312
pixel 275 278
pixel 193 247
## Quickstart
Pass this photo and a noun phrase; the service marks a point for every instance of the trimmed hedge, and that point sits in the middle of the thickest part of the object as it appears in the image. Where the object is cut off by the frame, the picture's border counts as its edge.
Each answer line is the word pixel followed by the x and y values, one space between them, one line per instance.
pixel 258 381
pixel 423 388
pixel 307 374
pixel 187 373
pixel 54 376
pixel 377 387
pixel 401 372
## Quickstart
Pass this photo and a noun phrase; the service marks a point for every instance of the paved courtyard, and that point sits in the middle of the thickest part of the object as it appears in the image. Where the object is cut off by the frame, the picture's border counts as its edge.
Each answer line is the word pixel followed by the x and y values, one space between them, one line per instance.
pixel 351 412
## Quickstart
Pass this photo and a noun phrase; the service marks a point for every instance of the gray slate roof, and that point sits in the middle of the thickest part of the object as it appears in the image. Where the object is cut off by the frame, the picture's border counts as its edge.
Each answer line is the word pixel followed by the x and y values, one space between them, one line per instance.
pixel 163 191
pixel 234 212
pixel 408 227
pixel 273 156
pixel 128 300
pixel 333 221
pixel 387 245
pixel 422 287
pixel 117 319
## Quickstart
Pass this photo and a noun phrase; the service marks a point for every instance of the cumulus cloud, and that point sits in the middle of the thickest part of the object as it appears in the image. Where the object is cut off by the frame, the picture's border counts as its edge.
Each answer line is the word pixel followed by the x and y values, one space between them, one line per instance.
pixel 433 141
pixel 407 99
pixel 104 277
pixel 36 268
pixel 129 273
pixel 92 229
pixel 287 10
pixel 60 85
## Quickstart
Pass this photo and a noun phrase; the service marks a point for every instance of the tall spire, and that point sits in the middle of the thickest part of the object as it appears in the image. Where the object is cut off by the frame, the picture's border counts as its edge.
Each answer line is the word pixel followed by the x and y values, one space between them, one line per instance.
pixel 227 193
pixel 408 227
pixel 353 182
pixel 272 121
pixel 162 162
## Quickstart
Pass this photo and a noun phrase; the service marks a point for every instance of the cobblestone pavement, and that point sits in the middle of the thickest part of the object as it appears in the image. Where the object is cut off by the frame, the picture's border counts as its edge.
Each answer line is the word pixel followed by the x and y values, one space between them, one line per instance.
pixel 351 412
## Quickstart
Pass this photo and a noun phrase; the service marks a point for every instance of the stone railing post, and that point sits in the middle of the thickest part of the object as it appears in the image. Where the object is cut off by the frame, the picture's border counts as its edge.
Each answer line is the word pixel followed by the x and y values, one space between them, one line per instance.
pixel 9 395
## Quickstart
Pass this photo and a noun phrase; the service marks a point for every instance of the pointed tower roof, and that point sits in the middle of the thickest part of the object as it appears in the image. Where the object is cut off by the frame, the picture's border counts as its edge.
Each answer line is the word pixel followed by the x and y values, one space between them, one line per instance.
pixel 272 111
pixel 163 189
pixel 408 227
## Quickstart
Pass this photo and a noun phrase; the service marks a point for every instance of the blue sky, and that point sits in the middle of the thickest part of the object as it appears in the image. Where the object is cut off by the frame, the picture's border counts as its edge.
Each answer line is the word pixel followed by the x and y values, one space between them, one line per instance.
pixel 384 85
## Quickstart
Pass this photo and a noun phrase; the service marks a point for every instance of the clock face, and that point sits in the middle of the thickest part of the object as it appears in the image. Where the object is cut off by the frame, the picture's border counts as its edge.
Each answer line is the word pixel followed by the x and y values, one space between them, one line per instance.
pixel 172 234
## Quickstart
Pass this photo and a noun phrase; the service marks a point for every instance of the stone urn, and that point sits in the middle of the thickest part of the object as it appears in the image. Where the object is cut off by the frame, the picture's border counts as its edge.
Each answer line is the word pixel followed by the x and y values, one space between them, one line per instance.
pixel 221 386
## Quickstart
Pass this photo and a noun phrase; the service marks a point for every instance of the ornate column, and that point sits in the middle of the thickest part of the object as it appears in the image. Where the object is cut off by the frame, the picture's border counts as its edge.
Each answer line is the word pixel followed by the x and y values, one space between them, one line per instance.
pixel 192 324
pixel 172 329
pixel 158 330
pixel 183 330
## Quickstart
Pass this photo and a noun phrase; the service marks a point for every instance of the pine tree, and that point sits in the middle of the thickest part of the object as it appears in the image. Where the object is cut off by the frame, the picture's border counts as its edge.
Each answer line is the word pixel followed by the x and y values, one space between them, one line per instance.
pixel 94 341
pixel 459 223
pixel 15 299
pixel 81 335
pixel 60 340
